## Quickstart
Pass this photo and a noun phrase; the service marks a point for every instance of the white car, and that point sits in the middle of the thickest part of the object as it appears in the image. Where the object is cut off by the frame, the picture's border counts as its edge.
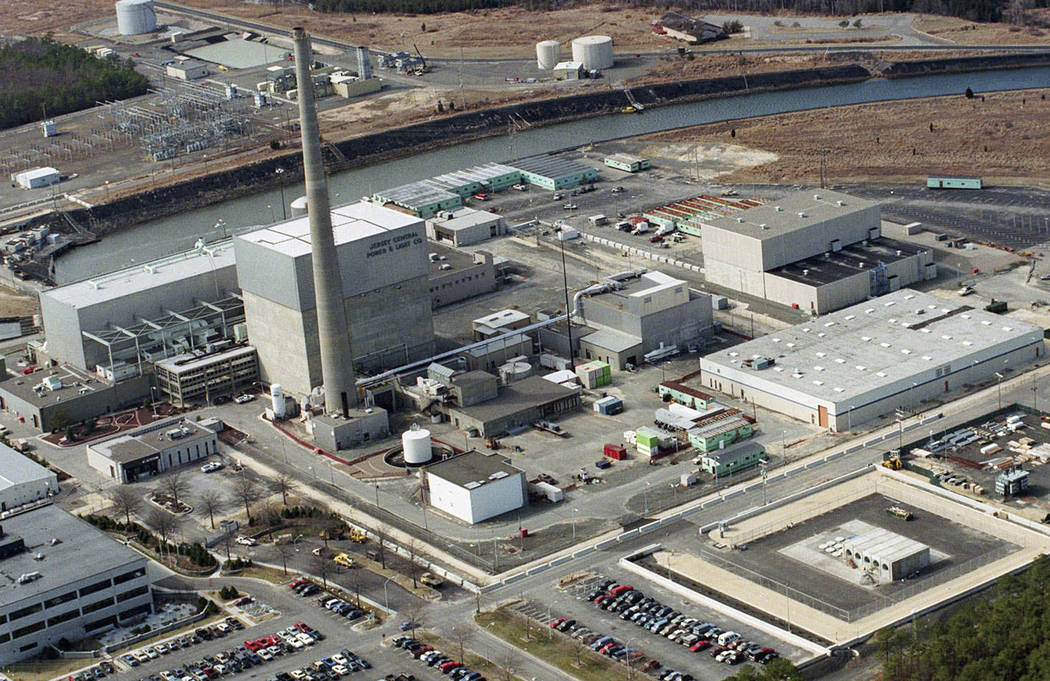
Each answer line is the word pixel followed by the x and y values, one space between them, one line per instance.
pixel 242 399
pixel 211 467
pixel 338 659
pixel 340 670
pixel 245 541
pixel 306 639
pixel 264 654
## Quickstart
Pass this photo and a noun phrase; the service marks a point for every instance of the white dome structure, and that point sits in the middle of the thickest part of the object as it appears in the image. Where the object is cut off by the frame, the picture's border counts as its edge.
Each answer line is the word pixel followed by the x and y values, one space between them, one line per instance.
pixel 416 445
pixel 136 16
pixel 548 53
pixel 298 207
pixel 595 52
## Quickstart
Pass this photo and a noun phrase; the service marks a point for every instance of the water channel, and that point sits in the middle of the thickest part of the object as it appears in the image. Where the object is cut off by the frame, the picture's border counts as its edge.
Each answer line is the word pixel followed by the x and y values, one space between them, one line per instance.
pixel 178 232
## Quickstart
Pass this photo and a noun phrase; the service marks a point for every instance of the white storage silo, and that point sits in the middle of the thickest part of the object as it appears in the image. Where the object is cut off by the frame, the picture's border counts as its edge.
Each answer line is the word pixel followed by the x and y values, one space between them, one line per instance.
pixel 548 53
pixel 277 400
pixel 416 445
pixel 136 16
pixel 298 207
pixel 595 52
pixel 514 371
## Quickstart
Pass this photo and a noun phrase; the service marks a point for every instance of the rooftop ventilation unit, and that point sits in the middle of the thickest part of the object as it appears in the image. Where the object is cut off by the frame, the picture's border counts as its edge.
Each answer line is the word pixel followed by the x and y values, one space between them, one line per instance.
pixel 816 197
pixel 840 203
pixel 764 226
pixel 801 214
pixel 740 219
pixel 778 209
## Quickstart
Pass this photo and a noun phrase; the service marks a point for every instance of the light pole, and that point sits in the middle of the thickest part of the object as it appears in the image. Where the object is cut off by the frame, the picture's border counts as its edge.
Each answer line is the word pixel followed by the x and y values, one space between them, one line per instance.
pixel 574 524
pixel 386 599
pixel 377 495
pixel 645 497
pixel 628 656
pixel 999 387
pixel 153 394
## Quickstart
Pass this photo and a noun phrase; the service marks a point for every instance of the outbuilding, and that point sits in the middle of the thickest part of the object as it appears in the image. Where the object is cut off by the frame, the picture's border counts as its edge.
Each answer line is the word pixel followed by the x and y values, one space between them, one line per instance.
pixel 886 555
pixel 151 450
pixel 568 70
pixel 475 487
pixel 187 70
pixel 37 177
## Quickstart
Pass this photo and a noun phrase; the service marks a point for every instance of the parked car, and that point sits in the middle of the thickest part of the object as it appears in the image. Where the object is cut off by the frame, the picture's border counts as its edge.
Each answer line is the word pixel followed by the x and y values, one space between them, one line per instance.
pixel 244 398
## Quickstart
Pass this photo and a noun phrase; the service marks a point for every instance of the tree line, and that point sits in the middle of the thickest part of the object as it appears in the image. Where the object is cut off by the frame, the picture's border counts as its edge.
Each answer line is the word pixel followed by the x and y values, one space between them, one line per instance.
pixel 1005 637
pixel 43 75
pixel 974 10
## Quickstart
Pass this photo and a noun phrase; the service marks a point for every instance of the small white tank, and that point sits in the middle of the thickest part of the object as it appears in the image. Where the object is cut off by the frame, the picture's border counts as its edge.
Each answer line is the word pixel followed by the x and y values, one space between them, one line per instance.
pixel 416 445
pixel 547 54
pixel 277 401
pixel 514 371
pixel 298 207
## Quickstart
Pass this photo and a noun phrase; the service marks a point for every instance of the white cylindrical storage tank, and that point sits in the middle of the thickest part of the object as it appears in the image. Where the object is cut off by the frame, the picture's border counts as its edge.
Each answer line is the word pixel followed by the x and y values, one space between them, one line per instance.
pixel 515 371
pixel 595 52
pixel 136 16
pixel 298 207
pixel 416 445
pixel 277 400
pixel 548 53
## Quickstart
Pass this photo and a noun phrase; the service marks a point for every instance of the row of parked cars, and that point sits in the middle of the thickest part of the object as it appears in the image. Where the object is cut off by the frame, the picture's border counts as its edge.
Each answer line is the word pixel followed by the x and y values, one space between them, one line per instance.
pixel 208 633
pixel 435 658
pixel 644 611
pixel 327 668
pixel 304 587
pixel 341 607
pixel 610 647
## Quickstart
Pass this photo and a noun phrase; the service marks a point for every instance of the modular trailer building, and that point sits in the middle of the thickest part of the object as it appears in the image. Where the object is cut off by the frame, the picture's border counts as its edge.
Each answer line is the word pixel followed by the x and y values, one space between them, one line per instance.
pixel 953 182
pixel 627 162
pixel 886 555
pixel 863 362
pixel 553 172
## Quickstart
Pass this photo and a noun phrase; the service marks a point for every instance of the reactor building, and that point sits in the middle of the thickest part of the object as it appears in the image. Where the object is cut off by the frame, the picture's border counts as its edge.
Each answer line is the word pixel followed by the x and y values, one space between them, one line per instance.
pixel 382 256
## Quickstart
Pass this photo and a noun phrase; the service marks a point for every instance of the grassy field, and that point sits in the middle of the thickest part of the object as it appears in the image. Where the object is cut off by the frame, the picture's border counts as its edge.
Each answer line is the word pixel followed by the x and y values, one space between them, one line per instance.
pixel 558 650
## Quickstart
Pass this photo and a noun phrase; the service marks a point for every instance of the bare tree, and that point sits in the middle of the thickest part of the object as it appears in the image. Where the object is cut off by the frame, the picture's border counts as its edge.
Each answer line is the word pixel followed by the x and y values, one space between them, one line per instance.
pixel 381 547
pixel 284 484
pixel 321 567
pixel 285 551
pixel 163 523
pixel 125 500
pixel 413 569
pixel 507 664
pixel 210 501
pixel 460 635
pixel 577 647
pixel 174 485
pixel 246 491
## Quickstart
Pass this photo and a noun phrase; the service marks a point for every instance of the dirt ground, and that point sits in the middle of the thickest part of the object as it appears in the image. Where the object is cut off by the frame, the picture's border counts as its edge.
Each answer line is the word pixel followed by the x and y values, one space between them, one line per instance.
pixel 972 33
pixel 1002 138
pixel 33 17
pixel 517 31
pixel 16 303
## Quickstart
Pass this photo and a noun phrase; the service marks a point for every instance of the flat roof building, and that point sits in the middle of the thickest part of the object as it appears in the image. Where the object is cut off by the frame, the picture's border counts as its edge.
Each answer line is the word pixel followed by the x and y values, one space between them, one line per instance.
pixel 551 171
pixel 519 404
pixel 199 377
pixel 498 323
pixel 813 251
pixel 457 275
pixel 641 315
pixel 64 579
pixel 383 260
pixel 37 177
pixel 863 362
pixel 146 312
pixel 474 487
pixel 628 163
pixel 886 555
pixel 186 70
pixel 465 226
pixel 22 480
pixel 149 451
pixel 446 192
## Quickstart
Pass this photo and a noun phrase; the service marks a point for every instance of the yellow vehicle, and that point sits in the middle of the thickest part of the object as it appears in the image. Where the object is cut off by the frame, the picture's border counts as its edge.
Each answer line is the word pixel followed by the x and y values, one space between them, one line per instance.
pixel 358 536
pixel 893 463
pixel 431 579
pixel 223 68
pixel 344 560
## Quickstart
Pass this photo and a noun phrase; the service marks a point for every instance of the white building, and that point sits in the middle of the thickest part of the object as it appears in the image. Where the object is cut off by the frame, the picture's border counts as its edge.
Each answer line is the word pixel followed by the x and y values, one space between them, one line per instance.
pixel 23 481
pixel 187 70
pixel 863 362
pixel 63 579
pixel 148 451
pixel 474 487
pixel 887 556
pixel 37 177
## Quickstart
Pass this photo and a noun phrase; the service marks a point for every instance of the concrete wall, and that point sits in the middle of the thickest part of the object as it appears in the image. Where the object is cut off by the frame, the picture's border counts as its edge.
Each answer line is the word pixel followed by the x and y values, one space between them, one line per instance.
pixel 616 360
pixel 455 285
pixel 732 275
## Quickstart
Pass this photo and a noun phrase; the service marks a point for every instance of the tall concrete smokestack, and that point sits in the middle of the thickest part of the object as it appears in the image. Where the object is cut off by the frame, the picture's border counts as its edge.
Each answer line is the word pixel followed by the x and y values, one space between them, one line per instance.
pixel 337 368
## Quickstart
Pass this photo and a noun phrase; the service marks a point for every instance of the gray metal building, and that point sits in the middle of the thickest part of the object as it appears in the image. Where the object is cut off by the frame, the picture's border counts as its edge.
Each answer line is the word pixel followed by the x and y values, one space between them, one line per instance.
pixel 865 361
pixel 22 480
pixel 157 309
pixel 457 275
pixel 465 226
pixel 818 251
pixel 383 260
pixel 886 555
pixel 83 582
pixel 641 315
pixel 149 451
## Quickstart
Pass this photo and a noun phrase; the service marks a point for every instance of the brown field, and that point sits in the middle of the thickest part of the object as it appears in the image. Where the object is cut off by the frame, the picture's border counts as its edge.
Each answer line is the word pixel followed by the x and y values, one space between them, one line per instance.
pixel 1002 138
pixel 972 33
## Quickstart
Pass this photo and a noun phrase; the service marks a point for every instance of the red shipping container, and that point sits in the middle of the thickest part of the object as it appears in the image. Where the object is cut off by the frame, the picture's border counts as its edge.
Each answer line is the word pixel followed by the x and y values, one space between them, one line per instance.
pixel 617 452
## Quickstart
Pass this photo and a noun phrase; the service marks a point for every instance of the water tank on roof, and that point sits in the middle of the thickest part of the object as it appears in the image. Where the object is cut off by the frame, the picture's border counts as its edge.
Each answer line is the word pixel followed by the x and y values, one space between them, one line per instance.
pixel 548 53
pixel 298 207
pixel 136 16
pixel 595 52
pixel 416 445
pixel 514 371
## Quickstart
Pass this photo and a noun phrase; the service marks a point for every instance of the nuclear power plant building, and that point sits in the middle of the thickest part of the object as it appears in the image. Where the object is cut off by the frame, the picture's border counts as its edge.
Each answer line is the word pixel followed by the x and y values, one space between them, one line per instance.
pixel 384 268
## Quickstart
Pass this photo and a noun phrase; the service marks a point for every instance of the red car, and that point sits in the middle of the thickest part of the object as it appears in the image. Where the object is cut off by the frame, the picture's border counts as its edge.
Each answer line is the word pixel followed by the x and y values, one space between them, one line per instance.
pixel 297 582
pixel 700 645
pixel 252 646
pixel 555 622
pixel 449 666
pixel 621 589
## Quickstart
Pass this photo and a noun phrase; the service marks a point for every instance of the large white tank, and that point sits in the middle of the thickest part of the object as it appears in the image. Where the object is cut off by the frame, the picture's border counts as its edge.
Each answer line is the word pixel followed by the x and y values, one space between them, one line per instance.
pixel 416 445
pixel 298 207
pixel 548 53
pixel 595 52
pixel 277 400
pixel 136 16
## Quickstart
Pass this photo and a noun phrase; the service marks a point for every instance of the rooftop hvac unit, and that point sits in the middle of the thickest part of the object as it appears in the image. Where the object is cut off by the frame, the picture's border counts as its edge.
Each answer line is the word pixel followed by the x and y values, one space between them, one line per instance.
pixel 778 209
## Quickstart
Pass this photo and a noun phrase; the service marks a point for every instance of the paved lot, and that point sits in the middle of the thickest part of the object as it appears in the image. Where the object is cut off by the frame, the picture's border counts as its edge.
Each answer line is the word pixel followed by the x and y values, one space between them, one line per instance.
pixel 768 556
